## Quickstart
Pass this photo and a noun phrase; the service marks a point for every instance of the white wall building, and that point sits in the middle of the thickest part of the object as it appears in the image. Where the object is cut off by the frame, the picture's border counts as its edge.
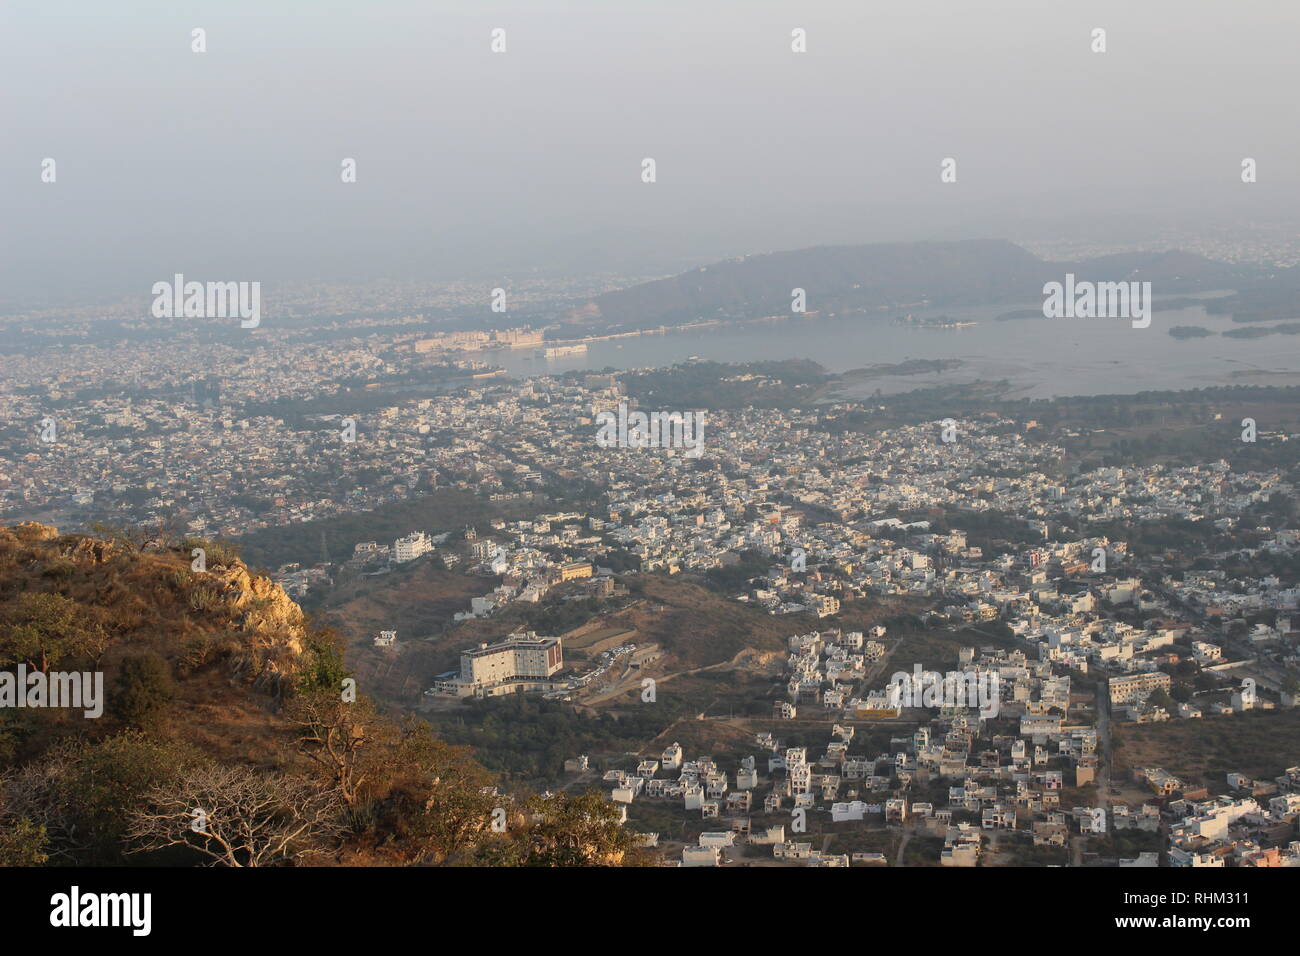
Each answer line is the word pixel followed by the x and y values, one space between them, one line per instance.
pixel 411 547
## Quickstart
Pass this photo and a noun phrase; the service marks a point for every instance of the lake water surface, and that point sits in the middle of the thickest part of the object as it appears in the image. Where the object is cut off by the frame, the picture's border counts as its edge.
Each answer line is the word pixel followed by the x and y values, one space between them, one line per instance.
pixel 1041 358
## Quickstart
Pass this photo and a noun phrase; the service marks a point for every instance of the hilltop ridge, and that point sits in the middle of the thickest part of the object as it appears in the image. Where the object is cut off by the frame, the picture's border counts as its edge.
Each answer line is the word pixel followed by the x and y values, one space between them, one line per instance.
pixel 880 277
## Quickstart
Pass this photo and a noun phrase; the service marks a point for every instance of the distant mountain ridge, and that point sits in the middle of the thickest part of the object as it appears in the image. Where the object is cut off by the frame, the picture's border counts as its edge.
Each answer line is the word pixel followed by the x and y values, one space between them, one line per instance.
pixel 884 276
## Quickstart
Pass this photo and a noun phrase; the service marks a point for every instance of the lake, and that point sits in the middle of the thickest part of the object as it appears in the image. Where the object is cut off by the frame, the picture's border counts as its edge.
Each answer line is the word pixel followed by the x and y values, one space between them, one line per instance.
pixel 1041 358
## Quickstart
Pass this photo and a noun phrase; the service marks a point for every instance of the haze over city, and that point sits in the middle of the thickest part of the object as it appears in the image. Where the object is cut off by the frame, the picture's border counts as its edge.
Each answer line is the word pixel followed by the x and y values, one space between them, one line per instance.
pixel 228 163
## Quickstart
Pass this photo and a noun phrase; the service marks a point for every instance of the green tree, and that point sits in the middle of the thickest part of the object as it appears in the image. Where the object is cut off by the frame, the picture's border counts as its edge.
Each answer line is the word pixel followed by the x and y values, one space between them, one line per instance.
pixel 143 688
pixel 564 830
pixel 441 805
pixel 82 793
pixel 1161 698
pixel 324 670
pixel 22 843
pixel 42 630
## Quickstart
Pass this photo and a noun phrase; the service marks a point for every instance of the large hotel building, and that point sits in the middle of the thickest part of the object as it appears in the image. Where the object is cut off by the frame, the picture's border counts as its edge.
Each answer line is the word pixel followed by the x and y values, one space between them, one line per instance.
pixel 520 662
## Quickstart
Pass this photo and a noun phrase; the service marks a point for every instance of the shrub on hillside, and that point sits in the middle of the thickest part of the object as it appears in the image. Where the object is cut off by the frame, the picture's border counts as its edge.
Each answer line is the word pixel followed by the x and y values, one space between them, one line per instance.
pixel 143 688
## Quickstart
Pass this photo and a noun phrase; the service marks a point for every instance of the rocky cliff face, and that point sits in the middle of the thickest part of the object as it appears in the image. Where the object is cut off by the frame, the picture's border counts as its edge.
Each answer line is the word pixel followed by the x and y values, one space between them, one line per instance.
pixel 262 605
pixel 147 593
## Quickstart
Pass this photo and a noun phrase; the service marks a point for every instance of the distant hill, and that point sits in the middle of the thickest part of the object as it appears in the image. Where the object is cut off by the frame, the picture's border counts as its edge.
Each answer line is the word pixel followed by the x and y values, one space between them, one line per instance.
pixel 882 278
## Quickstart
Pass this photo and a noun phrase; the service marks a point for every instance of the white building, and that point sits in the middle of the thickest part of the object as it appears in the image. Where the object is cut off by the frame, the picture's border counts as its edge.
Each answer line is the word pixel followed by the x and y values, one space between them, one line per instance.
pixel 411 547
pixel 520 662
pixel 701 856
pixel 672 756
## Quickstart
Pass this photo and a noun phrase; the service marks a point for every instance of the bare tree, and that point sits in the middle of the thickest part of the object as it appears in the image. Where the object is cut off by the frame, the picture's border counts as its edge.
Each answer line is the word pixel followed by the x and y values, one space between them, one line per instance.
pixel 349 740
pixel 237 816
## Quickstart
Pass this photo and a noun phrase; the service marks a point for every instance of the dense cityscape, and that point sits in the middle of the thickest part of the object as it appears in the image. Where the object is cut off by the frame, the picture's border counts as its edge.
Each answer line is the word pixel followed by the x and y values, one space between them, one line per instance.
pixel 973 524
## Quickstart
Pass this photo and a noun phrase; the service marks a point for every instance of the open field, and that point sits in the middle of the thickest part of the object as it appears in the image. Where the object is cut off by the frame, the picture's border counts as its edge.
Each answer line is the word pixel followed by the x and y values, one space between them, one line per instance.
pixel 1260 744
pixel 594 640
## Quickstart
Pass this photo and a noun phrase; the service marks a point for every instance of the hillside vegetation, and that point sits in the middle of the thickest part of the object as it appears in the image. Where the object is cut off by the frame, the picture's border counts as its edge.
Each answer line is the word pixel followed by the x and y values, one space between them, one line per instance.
pixel 232 733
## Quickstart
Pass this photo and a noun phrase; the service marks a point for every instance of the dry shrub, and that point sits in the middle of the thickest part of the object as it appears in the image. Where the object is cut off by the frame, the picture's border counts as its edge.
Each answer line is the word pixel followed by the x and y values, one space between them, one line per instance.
pixel 205 597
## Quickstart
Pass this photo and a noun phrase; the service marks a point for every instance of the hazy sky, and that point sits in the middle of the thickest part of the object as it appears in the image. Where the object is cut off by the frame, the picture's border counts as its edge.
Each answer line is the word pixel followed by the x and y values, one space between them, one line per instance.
pixel 226 164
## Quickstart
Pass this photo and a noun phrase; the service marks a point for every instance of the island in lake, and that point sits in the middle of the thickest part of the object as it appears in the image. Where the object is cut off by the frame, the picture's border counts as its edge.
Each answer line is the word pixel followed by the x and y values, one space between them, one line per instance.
pixel 936 322
pixel 1255 332
pixel 909 367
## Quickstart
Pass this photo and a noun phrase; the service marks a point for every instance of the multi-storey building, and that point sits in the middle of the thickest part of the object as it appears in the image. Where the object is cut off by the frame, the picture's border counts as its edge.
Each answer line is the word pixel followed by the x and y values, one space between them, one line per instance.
pixel 520 662
pixel 1133 686
pixel 411 547
pixel 574 570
